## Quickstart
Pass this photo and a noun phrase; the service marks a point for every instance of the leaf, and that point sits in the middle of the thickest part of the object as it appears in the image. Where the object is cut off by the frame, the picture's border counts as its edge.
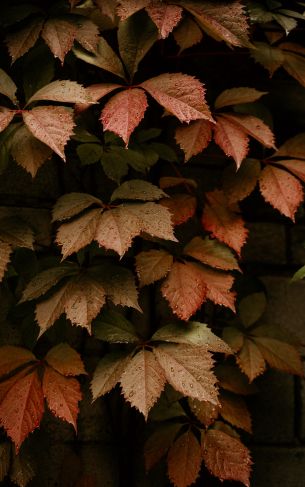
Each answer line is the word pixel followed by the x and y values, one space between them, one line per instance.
pixel 194 333
pixel 233 380
pixel 107 7
pixel 71 204
pixel 135 36
pixel 19 42
pixel 222 21
pixel 12 358
pixel 166 17
pixel 5 257
pixel 187 34
pixel 87 34
pixel 120 287
pixel 108 373
pixel 237 185
pixel 279 355
pixel 218 286
pixel 251 360
pixel 297 167
pixel 77 234
pixel 172 181
pixel 6 116
pixel 293 147
pixel 65 360
pixel 113 327
pixel 123 112
pixel 21 470
pixel 231 139
pixel 22 408
pixel 142 381
pixel 16 232
pixel 184 460
pixel 282 190
pixel 45 280
pixel 272 58
pixel 236 96
pixel 28 151
pixel 159 443
pixel 7 86
pixel 126 8
pixel 234 337
pixel 137 189
pixel 84 299
pixel 181 206
pixel 59 34
pixel 104 57
pixel 184 289
pixel 64 91
pixel 225 225
pixel 252 126
pixel 204 411
pixel 51 125
pixel 235 411
pixel 180 94
pixel 5 460
pixel 226 457
pixel 62 395
pixel 251 308
pixel 96 92
pixel 188 370
pixel 194 138
pixel 49 310
pixel 295 66
pixel 155 220
pixel 212 253
pixel 152 266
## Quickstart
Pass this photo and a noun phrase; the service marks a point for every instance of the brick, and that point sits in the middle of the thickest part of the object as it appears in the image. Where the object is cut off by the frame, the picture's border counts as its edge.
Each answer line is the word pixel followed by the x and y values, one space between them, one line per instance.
pixel 93 421
pixel 273 409
pixel 297 238
pixel 278 467
pixel 266 244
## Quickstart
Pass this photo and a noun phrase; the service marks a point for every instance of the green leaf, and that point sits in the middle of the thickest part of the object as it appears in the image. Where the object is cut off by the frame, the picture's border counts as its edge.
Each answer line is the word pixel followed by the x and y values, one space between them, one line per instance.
pixel 82 135
pixel 89 153
pixel 300 274
pixel 113 327
pixel 164 151
pixel 251 308
pixel 147 135
pixel 114 165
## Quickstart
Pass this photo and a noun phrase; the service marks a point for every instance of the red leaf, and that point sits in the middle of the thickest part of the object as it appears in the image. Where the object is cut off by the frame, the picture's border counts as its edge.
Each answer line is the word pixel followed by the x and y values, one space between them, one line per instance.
pixel 225 224
pixel 194 138
pixel 282 190
pixel 180 94
pixel 184 289
pixel 51 125
pixel 166 17
pixel 123 113
pixel 6 116
pixel 184 460
pixel 96 92
pixel 181 206
pixel 22 408
pixel 62 394
pixel 231 139
pixel 59 35
pixel 252 126
pixel 21 41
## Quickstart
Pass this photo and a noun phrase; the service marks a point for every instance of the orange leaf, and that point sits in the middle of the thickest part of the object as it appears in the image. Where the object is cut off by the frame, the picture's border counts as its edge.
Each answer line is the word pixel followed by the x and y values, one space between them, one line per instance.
pixel 153 265
pixel 166 17
pixel 65 360
pixel 226 225
pixel 250 360
pixel 231 139
pixel 252 126
pixel 62 394
pixel 181 206
pixel 194 138
pixel 22 408
pixel 204 411
pixel 218 285
pixel 21 41
pixel 212 253
pixel 235 411
pixel 296 166
pixel 184 460
pixel 87 34
pixel 13 357
pixel 282 190
pixel 123 113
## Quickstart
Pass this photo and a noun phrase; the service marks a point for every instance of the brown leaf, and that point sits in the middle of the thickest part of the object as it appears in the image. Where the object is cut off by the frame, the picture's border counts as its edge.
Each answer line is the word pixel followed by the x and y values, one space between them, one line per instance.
pixel 226 457
pixel 6 116
pixel 194 138
pixel 127 8
pixel 180 94
pixel 272 58
pixel 12 357
pixel 16 233
pixel 45 280
pixel 231 139
pixel 5 257
pixel 184 289
pixel 137 189
pixel 77 234
pixel 87 34
pixel 49 310
pixel 64 91
pixel 120 287
pixel 19 42
pixel 143 381
pixel 166 17
pixel 96 92
pixel 28 151
pixel 22 408
pixel 234 337
pixel 65 360
pixel 295 66
pixel 159 443
pixel 293 147
pixel 5 459
pixel 123 112
pixel 204 411
pixel 155 220
pixel 212 253
pixel 237 185
pixel 218 286
pixel 250 360
pixel 172 181
pixel 181 206
pixel 59 35
pixel 279 355
pixel 153 265
pixel 188 370
pixel 62 395
pixel 235 411
pixel 22 470
pixel 71 204
pixel 187 34
pixel 296 166
pixel 107 7
pixel 51 125
pixel 252 126
pixel 184 460
pixel 8 87
pixel 233 380
pixel 224 223
pixel 108 373
pixel 282 190
pixel 235 96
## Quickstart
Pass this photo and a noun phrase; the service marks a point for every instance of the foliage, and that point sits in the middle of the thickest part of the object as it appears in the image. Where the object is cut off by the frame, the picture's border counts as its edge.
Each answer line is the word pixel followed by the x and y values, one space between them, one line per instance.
pixel 139 250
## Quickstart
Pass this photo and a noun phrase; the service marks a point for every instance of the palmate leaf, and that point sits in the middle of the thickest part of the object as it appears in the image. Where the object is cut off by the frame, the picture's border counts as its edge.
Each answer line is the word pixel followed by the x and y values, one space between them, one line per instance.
pixel 187 34
pixel 137 189
pixel 126 8
pixel 237 185
pixel 18 43
pixel 194 138
pixel 165 16
pixel 204 411
pixel 252 126
pixel 65 360
pixel 212 253
pixel 59 34
pixel 13 357
pixel 153 265
pixel 184 460
pixel 231 139
pixel 108 373
pixel 64 91
pixel 235 96
pixel 182 207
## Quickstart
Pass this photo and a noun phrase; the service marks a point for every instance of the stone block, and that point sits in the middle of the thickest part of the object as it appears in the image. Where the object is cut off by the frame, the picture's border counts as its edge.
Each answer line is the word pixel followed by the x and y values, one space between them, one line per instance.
pixel 273 409
pixel 266 244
